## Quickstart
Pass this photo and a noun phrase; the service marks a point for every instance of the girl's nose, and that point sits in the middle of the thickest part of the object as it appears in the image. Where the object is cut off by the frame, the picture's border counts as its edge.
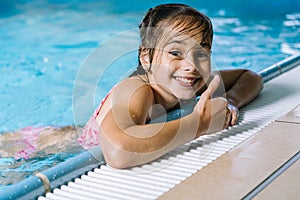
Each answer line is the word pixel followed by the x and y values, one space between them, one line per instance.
pixel 188 64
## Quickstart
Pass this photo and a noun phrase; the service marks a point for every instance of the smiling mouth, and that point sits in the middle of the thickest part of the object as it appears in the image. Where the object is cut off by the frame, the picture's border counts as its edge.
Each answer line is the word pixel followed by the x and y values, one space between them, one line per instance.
pixel 186 81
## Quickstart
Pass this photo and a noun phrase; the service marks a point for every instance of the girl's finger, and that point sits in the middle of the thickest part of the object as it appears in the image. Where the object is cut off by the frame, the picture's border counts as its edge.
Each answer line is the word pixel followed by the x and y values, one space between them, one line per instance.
pixel 234 114
pixel 228 118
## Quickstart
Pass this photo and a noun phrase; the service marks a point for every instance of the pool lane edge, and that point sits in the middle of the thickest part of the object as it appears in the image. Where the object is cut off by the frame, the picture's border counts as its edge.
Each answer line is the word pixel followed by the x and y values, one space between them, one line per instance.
pixel 33 186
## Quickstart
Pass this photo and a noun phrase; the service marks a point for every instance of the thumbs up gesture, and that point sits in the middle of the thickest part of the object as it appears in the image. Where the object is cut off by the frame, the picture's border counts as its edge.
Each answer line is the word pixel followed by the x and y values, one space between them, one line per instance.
pixel 215 114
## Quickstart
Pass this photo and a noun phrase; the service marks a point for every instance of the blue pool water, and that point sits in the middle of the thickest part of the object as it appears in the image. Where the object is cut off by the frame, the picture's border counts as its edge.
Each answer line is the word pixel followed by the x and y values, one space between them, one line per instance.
pixel 44 45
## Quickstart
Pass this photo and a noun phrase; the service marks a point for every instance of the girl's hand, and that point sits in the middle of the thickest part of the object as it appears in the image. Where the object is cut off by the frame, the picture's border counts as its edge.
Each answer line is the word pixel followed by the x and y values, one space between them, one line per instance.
pixel 213 114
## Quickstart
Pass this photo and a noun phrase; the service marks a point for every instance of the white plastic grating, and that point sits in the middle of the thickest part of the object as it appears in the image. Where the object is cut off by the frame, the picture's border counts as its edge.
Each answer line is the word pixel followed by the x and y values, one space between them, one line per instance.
pixel 152 180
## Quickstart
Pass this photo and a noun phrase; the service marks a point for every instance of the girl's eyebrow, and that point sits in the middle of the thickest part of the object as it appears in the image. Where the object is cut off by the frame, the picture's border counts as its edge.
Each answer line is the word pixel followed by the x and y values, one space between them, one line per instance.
pixel 176 41
pixel 183 42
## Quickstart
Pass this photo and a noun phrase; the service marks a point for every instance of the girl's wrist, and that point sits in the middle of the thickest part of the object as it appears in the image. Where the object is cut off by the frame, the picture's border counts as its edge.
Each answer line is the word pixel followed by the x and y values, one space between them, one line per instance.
pixel 195 118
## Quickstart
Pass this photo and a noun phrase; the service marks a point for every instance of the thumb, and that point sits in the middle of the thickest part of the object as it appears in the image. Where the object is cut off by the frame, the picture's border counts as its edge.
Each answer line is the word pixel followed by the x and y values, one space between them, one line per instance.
pixel 206 95
pixel 212 87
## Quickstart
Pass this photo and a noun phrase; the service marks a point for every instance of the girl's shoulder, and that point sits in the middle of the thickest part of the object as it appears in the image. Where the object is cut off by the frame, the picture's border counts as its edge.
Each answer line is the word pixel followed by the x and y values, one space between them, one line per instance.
pixel 133 82
pixel 133 88
pixel 133 96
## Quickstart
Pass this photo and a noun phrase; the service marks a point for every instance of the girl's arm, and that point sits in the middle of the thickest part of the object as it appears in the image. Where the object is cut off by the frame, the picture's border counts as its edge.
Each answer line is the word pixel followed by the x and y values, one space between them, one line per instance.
pixel 127 141
pixel 126 147
pixel 241 85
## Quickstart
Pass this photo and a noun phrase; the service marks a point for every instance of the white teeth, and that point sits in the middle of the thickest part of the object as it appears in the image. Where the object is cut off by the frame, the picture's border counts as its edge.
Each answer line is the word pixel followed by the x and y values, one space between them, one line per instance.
pixel 185 80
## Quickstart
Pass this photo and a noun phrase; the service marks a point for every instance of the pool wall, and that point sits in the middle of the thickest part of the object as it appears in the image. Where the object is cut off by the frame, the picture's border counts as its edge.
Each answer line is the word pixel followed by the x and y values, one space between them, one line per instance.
pixel 62 173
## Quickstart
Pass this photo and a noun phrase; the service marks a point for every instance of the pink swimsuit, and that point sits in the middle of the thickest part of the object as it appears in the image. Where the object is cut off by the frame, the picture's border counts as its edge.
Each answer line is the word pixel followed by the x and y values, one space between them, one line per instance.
pixel 28 141
pixel 88 138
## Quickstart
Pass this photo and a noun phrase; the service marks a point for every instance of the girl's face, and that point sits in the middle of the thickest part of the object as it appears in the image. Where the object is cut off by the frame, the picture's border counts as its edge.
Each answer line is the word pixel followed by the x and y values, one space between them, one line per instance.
pixel 180 67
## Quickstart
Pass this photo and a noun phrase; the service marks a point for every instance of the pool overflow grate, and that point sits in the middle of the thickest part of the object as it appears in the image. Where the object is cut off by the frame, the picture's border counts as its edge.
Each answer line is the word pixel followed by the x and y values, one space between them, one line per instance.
pixel 154 179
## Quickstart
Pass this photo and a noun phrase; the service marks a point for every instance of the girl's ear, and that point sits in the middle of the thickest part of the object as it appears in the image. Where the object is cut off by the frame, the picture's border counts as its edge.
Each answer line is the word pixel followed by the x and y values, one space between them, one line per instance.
pixel 144 59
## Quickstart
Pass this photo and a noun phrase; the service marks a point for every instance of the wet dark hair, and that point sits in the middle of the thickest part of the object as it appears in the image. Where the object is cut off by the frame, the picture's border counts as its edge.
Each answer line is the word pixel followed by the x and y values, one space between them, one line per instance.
pixel 185 19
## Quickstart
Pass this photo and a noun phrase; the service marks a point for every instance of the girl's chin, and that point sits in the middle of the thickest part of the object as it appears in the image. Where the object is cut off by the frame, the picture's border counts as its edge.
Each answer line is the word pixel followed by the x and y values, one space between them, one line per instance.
pixel 186 95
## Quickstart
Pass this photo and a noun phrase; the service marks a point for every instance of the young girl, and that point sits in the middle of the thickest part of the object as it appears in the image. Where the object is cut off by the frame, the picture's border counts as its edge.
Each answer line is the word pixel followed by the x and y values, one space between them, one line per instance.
pixel 174 67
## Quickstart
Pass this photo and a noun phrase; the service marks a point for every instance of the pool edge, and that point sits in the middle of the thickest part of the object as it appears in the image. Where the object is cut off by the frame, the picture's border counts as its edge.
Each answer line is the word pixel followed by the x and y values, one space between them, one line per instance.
pixel 58 175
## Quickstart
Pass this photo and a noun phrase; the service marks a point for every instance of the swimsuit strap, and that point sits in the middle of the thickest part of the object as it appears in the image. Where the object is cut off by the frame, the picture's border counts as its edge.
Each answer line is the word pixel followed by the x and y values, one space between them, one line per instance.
pixel 101 104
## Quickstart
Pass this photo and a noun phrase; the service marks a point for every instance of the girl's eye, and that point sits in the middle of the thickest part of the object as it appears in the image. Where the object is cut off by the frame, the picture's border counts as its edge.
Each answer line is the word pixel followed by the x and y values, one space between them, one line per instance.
pixel 176 53
pixel 201 54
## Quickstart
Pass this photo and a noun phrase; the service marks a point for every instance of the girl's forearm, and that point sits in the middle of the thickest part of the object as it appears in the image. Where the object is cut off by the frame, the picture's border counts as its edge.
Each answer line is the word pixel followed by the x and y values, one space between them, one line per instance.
pixel 245 89
pixel 144 143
